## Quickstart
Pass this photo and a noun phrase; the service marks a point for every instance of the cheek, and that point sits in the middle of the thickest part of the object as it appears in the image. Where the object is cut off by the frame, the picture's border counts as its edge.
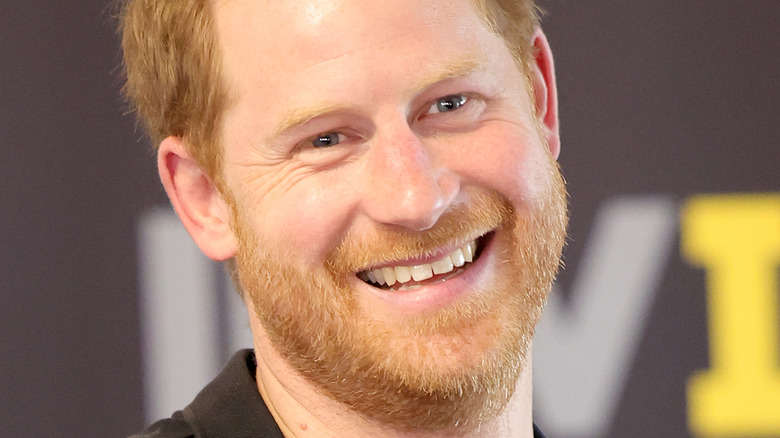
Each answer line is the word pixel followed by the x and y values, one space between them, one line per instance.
pixel 305 221
pixel 513 161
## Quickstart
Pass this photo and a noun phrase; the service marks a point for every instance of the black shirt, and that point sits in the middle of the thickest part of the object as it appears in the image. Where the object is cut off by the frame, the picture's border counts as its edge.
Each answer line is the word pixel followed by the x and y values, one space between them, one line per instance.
pixel 229 407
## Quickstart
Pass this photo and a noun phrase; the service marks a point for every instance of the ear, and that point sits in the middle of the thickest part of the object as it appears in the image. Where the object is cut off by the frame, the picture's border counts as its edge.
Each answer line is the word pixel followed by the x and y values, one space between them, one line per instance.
pixel 196 199
pixel 545 91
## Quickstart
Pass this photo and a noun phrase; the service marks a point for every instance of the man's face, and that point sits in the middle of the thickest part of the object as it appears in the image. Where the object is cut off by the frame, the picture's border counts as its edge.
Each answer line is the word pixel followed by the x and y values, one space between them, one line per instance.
pixel 389 138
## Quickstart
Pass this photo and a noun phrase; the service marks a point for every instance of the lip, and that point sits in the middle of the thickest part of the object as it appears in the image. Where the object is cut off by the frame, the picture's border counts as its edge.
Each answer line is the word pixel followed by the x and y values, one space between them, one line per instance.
pixel 434 296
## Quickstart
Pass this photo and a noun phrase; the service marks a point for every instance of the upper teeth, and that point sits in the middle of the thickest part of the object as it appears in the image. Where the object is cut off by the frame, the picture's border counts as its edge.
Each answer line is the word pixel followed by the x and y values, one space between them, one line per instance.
pixel 403 274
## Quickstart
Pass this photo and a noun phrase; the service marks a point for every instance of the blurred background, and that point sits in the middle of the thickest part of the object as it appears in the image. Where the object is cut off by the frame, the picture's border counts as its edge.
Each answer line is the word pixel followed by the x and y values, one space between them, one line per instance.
pixel 663 324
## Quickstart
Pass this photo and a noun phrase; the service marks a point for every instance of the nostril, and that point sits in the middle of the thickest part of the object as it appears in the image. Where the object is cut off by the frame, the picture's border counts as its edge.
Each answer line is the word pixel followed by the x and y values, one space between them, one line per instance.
pixel 405 185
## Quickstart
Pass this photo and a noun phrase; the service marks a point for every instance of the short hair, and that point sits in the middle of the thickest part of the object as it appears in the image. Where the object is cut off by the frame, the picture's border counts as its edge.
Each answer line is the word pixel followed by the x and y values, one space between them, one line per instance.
pixel 173 66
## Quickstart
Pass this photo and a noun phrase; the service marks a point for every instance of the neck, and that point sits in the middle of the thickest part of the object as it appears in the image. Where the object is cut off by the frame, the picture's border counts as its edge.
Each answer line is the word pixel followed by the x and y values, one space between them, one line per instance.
pixel 301 410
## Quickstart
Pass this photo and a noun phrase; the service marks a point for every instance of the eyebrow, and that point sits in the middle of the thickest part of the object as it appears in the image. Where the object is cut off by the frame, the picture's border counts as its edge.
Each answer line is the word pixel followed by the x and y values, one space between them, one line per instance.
pixel 298 116
pixel 450 70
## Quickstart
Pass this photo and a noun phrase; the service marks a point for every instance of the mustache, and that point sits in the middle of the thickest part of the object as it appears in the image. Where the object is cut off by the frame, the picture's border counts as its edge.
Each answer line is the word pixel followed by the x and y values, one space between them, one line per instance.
pixel 386 243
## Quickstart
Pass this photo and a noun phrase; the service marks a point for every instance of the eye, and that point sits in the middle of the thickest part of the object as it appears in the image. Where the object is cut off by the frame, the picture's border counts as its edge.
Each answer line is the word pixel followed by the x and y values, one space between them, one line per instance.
pixel 447 104
pixel 327 139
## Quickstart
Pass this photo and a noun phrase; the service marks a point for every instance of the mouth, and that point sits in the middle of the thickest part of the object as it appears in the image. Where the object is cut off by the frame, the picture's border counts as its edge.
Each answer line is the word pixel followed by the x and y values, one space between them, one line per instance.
pixel 412 276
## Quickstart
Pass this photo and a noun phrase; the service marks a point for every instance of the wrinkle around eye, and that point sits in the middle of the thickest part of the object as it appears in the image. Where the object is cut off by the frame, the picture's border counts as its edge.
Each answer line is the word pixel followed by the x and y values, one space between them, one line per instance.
pixel 271 179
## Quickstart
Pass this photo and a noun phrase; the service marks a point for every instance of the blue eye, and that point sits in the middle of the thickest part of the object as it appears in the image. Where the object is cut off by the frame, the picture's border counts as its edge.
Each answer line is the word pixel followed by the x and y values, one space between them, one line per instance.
pixel 327 139
pixel 447 103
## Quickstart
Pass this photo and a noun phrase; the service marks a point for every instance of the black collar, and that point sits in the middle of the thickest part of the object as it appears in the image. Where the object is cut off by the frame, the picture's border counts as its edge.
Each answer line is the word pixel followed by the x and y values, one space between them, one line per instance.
pixel 232 407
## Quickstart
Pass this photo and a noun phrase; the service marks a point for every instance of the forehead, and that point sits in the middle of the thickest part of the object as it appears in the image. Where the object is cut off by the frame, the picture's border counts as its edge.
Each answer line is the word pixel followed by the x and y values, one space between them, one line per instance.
pixel 298 51
pixel 331 27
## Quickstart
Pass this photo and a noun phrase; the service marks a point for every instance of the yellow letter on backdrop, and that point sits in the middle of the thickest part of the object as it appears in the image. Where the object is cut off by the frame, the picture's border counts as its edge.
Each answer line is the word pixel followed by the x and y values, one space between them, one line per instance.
pixel 736 238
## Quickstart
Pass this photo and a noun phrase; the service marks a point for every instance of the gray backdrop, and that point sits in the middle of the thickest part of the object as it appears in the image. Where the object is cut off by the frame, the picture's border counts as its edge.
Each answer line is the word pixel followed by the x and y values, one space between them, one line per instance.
pixel 660 101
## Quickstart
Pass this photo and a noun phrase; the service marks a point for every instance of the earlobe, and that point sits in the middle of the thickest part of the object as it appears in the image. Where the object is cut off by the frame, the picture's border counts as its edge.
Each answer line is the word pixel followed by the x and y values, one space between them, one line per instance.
pixel 545 91
pixel 197 201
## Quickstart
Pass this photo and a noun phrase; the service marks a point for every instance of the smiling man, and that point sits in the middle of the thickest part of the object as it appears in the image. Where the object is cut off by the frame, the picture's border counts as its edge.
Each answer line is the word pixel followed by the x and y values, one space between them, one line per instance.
pixel 381 177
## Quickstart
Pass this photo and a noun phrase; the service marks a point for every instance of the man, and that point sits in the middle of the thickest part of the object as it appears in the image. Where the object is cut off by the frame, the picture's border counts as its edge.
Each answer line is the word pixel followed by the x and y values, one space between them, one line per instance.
pixel 381 176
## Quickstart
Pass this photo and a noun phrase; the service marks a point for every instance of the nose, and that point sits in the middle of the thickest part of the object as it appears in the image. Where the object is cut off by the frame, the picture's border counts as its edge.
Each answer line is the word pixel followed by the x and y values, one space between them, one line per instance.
pixel 404 182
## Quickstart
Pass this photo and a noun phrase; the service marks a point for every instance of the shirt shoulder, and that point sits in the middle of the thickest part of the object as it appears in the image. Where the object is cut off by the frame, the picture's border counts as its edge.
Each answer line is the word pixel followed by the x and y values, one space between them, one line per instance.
pixel 174 427
pixel 228 407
